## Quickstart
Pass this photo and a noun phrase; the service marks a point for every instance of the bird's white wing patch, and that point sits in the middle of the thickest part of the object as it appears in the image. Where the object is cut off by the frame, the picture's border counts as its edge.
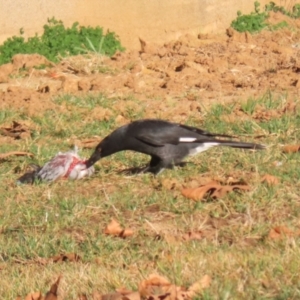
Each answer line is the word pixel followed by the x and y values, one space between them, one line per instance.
pixel 187 139
pixel 203 147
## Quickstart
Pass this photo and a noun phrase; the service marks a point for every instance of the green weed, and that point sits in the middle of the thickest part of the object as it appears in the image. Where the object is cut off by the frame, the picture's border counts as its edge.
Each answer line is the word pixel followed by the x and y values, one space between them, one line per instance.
pixel 59 41
pixel 257 20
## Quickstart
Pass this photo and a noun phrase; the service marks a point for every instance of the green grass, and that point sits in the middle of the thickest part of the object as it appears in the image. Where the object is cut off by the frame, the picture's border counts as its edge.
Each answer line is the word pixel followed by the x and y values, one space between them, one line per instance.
pixel 44 220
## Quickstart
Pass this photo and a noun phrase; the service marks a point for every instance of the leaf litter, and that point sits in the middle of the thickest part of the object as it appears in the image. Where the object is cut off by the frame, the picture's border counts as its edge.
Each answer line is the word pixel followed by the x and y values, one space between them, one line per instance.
pixel 155 287
pixel 213 189
pixel 291 148
pixel 270 179
pixel 16 130
pixel 281 232
pixel 114 228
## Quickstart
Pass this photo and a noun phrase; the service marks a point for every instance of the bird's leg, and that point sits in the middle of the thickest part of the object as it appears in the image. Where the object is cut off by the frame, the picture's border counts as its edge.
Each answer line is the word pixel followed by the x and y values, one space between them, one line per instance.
pixel 156 165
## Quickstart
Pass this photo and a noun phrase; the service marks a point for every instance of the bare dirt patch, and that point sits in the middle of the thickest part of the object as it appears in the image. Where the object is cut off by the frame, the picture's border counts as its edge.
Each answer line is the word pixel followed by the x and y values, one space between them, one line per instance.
pixel 207 68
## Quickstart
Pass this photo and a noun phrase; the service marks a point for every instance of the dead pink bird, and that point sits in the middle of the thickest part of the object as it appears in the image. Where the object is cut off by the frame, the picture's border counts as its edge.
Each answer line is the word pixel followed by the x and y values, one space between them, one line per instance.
pixel 67 165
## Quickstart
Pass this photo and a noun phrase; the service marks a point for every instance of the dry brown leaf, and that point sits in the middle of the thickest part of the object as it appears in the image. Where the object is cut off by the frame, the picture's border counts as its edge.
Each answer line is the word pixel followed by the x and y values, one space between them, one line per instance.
pixel 291 148
pixel 173 292
pixel 280 232
pixel 16 130
pixel 52 294
pixel 153 285
pixel 199 192
pixel 97 296
pixel 16 153
pixel 132 296
pixel 34 296
pixel 112 296
pixel 70 257
pixel 290 107
pixel 157 287
pixel 124 291
pixel 199 286
pixel 114 228
pixel 270 179
pixel 214 189
pixel 82 297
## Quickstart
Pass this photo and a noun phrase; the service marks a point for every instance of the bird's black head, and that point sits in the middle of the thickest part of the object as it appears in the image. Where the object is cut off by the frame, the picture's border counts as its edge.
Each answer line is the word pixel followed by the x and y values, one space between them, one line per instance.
pixel 111 144
pixel 94 157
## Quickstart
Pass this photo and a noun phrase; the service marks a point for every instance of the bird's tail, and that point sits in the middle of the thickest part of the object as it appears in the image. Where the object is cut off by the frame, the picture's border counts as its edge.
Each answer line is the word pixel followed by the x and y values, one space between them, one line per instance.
pixel 241 145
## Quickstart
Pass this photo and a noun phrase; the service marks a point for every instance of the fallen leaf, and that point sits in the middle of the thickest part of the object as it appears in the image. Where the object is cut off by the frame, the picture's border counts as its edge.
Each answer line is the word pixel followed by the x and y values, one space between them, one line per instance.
pixel 114 228
pixel 270 179
pixel 153 285
pixel 132 296
pixel 213 189
pixel 52 294
pixel 199 286
pixel 97 296
pixel 34 296
pixel 291 148
pixel 70 257
pixel 172 292
pixel 199 192
pixel 16 130
pixel 16 153
pixel 157 287
pixel 112 296
pixel 280 232
pixel 290 107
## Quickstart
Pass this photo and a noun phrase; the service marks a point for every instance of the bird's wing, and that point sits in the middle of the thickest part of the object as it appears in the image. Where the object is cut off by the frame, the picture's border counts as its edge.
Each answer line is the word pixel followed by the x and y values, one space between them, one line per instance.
pixel 152 139
pixel 174 136
pixel 158 134
pixel 203 132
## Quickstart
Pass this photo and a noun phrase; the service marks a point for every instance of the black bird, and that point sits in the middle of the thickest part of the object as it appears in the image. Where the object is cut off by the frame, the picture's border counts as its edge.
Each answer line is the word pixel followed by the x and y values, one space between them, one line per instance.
pixel 167 143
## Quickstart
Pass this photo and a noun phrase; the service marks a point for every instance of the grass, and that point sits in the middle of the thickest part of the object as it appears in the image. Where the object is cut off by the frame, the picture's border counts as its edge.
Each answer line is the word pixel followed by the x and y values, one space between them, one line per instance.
pixel 44 220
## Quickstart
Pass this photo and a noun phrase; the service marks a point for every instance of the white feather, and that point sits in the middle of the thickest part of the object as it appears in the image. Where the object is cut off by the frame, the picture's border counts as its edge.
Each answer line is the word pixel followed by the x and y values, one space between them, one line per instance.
pixel 203 147
pixel 187 139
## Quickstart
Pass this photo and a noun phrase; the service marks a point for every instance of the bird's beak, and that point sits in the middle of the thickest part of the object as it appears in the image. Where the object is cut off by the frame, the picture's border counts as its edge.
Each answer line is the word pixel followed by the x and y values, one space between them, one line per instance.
pixel 93 159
